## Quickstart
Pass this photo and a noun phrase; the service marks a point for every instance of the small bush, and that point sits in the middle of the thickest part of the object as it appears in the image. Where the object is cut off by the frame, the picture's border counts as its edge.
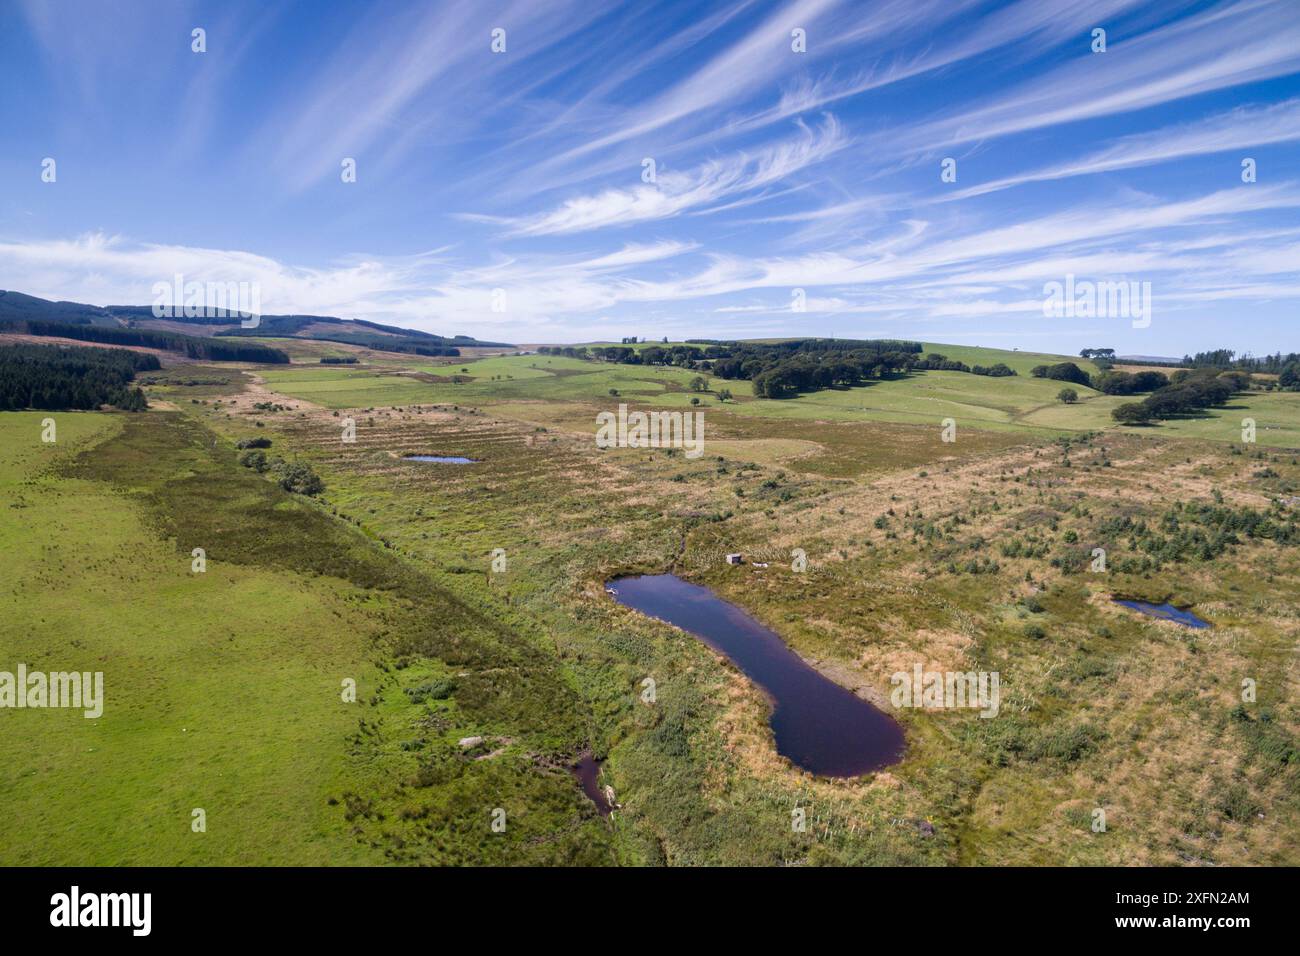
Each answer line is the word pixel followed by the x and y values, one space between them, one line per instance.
pixel 439 689
pixel 297 477
pixel 255 460
pixel 1066 745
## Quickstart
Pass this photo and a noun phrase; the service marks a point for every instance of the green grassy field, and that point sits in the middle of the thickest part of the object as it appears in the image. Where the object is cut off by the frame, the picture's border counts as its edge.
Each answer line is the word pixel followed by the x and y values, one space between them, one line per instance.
pixel 224 688
pixel 1022 362
pixel 303 351
pixel 1019 404
pixel 1276 416
pixel 220 687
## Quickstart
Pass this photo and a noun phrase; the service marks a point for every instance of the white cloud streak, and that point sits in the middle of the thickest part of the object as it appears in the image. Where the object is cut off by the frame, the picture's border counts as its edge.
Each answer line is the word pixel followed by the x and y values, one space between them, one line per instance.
pixel 674 193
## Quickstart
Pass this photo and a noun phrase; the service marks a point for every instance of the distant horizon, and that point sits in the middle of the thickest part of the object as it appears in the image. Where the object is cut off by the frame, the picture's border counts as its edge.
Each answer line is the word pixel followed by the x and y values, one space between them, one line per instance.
pixel 653 339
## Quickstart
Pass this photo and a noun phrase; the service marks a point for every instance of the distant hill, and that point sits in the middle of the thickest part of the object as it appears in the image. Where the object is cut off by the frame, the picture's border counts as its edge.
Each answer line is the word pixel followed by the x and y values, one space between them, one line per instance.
pixel 16 306
pixel 27 316
pixel 1153 359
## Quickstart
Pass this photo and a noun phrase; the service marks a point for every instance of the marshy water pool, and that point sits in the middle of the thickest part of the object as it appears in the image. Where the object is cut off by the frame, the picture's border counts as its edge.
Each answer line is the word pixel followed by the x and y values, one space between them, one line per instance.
pixel 587 773
pixel 820 726
pixel 1166 612
pixel 442 459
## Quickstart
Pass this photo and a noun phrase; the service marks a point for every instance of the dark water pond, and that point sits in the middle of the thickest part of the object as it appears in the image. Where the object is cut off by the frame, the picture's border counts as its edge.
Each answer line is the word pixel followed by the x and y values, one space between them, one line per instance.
pixel 442 459
pixel 819 725
pixel 587 770
pixel 1166 612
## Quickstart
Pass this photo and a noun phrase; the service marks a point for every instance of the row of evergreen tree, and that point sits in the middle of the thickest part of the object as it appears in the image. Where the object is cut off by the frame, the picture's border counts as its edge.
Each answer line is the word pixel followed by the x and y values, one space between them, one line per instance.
pixel 196 347
pixel 71 377
pixel 1228 359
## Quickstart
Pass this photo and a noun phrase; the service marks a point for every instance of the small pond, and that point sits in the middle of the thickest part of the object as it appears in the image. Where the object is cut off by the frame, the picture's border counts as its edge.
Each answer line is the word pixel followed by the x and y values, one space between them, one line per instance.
pixel 442 459
pixel 1166 612
pixel 820 726
pixel 587 771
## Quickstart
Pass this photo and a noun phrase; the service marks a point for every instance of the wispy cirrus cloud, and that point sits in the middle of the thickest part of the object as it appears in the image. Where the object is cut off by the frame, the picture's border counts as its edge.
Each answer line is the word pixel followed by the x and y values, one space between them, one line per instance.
pixel 1237 129
pixel 735 73
pixel 409 69
pixel 1222 47
pixel 988 271
pixel 889 32
pixel 674 193
pixel 523 169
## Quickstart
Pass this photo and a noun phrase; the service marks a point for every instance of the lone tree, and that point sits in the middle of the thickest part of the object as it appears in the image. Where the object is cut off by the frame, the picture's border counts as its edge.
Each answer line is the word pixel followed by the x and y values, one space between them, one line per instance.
pixel 1067 395
pixel 699 384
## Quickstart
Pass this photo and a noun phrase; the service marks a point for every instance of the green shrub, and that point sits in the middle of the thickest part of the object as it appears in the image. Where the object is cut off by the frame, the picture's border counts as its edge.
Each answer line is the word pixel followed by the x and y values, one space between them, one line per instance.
pixel 255 460
pixel 297 477
pixel 439 689
pixel 1066 745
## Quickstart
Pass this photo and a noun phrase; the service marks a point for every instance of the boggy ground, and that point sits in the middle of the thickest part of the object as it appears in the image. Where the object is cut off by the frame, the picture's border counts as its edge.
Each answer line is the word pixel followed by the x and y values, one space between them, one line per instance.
pixel 971 556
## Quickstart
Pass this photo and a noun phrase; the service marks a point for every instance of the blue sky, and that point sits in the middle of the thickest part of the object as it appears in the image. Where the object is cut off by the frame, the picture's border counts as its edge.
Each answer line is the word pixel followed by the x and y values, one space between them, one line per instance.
pixel 775 170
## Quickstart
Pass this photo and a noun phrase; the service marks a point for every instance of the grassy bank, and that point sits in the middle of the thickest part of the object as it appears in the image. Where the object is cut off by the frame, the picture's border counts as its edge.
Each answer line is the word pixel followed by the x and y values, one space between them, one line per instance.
pixel 225 688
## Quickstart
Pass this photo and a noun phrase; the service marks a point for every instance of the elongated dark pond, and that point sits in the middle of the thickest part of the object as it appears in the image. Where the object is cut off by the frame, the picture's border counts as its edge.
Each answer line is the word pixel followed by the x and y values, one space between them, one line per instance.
pixel 443 459
pixel 1166 612
pixel 587 773
pixel 819 725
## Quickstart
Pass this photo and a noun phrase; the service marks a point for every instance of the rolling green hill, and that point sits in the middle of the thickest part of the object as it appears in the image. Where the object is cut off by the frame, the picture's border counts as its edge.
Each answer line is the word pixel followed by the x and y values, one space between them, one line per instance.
pixel 924 398
pixel 18 307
